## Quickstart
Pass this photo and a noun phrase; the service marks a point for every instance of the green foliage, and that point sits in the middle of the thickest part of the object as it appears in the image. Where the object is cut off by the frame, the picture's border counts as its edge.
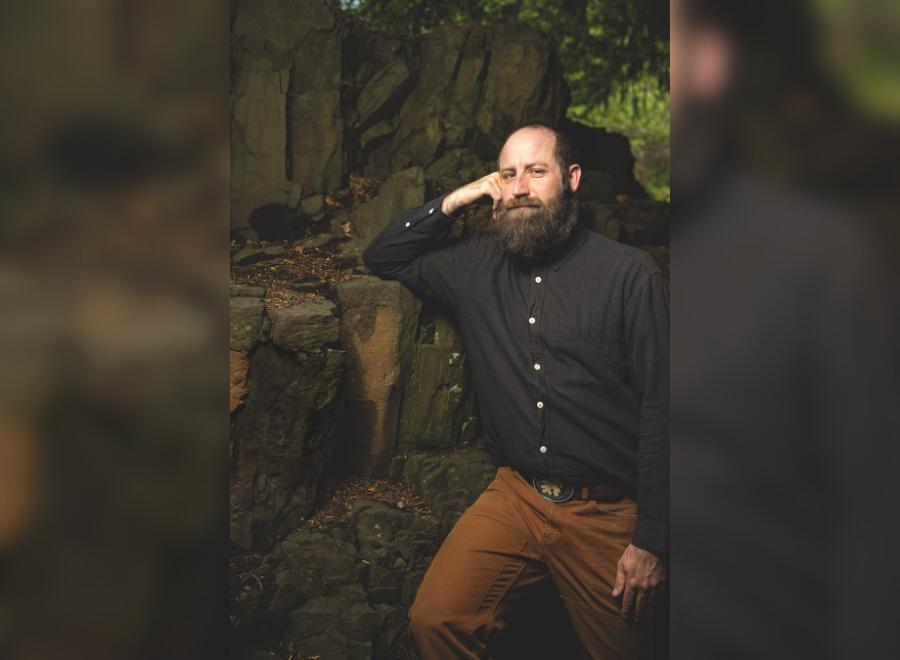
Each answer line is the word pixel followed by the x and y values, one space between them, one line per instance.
pixel 640 111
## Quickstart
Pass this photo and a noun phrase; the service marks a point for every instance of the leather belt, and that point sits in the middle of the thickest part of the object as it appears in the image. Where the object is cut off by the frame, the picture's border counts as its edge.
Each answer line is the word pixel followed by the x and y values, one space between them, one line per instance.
pixel 557 491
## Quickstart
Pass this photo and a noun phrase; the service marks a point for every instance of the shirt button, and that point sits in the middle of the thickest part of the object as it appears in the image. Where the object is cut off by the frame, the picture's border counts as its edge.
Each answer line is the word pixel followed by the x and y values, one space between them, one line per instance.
pixel 538 279
pixel 531 320
pixel 430 211
pixel 540 404
pixel 408 224
pixel 543 449
pixel 537 367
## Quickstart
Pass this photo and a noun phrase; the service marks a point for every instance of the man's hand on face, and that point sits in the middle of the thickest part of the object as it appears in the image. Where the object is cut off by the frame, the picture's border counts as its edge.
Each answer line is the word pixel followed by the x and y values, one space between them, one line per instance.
pixel 486 186
pixel 638 575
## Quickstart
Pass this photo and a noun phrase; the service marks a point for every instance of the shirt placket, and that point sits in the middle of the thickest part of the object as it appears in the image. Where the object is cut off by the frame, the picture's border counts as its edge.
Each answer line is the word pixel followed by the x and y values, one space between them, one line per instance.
pixel 537 289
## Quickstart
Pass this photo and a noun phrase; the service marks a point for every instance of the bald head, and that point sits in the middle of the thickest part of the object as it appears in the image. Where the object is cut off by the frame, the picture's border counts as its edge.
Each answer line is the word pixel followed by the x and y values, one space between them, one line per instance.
pixel 536 162
pixel 563 148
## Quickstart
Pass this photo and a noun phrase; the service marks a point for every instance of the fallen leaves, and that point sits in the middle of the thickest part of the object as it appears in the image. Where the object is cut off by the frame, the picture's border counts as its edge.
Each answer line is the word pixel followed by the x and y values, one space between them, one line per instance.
pixel 299 276
pixel 363 188
pixel 336 512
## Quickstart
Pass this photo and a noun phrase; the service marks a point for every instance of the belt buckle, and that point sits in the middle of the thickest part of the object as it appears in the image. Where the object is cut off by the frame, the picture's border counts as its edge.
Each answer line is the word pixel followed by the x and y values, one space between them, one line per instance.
pixel 552 490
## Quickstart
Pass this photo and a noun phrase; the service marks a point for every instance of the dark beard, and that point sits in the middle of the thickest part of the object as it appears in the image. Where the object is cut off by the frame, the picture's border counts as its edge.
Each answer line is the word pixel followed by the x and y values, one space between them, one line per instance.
pixel 535 231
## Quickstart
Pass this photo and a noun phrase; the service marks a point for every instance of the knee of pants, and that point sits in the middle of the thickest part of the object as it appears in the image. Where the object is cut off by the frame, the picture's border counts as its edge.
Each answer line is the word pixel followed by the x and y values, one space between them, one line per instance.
pixel 427 617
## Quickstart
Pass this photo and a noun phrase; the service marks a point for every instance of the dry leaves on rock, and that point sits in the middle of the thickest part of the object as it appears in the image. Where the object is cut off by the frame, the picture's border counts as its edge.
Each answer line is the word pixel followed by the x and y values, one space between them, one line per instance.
pixel 337 512
pixel 363 188
pixel 283 277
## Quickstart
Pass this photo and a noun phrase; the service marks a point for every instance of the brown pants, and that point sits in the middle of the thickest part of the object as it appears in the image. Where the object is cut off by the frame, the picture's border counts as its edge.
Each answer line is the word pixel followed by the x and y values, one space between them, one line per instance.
pixel 511 539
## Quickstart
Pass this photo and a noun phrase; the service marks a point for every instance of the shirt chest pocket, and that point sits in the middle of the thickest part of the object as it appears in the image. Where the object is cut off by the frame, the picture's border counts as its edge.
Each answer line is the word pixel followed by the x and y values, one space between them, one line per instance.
pixel 594 361
pixel 570 324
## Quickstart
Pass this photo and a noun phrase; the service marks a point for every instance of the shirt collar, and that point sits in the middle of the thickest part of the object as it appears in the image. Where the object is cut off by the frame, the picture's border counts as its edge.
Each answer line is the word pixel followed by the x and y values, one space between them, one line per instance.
pixel 573 243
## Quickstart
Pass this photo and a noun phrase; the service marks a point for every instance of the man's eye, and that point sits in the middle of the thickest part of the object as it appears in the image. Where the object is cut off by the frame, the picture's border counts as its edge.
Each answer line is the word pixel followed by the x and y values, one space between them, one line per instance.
pixel 508 175
pixel 537 172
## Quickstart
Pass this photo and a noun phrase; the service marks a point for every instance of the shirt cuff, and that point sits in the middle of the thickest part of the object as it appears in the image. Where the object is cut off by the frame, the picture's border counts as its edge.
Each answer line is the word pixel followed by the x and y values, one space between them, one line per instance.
pixel 438 205
pixel 650 535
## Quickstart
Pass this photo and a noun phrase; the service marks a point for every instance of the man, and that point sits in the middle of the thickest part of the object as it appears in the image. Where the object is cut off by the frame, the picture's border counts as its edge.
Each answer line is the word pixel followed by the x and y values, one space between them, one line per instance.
pixel 567 337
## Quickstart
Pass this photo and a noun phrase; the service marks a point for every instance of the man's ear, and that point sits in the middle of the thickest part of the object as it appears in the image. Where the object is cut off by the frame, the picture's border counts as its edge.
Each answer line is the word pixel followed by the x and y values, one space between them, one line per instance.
pixel 574 177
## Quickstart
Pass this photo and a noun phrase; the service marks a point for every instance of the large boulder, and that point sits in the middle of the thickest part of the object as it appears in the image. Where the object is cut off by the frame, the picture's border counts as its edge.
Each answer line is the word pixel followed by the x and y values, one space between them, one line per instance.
pixel 341 593
pixel 438 407
pixel 309 564
pixel 287 128
pixel 449 482
pixel 305 326
pixel 317 129
pixel 341 625
pixel 596 185
pixel 258 141
pixel 391 633
pixel 283 440
pixel 238 366
pixel 640 223
pixel 456 66
pixel 381 93
pixel 643 223
pixel 245 322
pixel 456 168
pixel 313 597
pixel 392 543
pixel 604 151
pixel 275 27
pixel 377 331
pixel 601 218
pixel 397 193
pixel 521 87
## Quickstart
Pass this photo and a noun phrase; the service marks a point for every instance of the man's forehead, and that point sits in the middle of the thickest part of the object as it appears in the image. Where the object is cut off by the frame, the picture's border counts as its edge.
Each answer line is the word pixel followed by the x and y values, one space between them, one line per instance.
pixel 528 145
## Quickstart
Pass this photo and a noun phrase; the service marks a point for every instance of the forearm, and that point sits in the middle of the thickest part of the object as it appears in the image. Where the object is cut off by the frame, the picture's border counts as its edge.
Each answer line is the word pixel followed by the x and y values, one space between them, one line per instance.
pixel 650 359
pixel 652 529
pixel 413 233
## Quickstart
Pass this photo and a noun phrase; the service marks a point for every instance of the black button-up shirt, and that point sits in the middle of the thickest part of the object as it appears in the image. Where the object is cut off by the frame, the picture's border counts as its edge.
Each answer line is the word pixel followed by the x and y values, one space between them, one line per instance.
pixel 569 354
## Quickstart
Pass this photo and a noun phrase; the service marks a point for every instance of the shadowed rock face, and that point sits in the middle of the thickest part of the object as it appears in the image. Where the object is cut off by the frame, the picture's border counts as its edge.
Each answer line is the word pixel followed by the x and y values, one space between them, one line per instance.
pixel 246 322
pixel 344 592
pixel 304 326
pixel 281 439
pixel 377 331
pixel 238 366
pixel 400 191
pixel 438 408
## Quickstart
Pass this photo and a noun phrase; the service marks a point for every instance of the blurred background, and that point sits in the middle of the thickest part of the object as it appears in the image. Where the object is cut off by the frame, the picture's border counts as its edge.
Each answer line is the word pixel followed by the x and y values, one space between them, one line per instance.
pixel 785 364
pixel 113 282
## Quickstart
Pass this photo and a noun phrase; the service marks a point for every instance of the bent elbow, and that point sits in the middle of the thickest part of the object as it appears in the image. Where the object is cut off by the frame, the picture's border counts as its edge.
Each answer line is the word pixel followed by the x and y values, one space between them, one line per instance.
pixel 376 266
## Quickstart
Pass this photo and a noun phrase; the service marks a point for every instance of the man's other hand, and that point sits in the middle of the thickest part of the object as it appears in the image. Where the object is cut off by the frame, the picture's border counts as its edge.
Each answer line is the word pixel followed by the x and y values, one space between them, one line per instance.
pixel 486 186
pixel 638 575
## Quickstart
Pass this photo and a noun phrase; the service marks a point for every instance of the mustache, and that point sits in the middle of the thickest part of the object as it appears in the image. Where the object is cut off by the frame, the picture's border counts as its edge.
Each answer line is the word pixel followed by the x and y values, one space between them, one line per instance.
pixel 523 202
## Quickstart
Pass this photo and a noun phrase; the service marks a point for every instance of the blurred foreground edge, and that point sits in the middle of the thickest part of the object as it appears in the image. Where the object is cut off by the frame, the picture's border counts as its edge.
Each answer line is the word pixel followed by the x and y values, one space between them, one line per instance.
pixel 784 345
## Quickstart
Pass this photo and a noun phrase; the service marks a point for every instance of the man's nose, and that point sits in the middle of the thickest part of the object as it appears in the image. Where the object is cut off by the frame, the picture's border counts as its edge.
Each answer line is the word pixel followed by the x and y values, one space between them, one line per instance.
pixel 520 187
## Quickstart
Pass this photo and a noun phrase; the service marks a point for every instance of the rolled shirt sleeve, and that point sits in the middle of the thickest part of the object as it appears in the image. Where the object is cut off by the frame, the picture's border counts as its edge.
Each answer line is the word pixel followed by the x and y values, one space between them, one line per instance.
pixel 415 250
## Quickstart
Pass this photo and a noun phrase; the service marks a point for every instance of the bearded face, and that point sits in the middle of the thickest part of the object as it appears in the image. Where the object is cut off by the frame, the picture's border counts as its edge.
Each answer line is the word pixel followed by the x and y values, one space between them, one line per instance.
pixel 529 228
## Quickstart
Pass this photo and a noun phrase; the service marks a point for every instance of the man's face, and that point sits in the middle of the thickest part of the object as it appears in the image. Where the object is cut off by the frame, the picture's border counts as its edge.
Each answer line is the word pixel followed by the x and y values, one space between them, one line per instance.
pixel 537 210
pixel 529 171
